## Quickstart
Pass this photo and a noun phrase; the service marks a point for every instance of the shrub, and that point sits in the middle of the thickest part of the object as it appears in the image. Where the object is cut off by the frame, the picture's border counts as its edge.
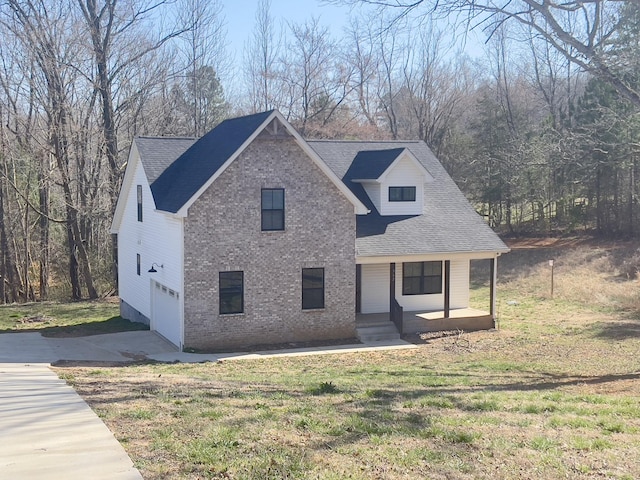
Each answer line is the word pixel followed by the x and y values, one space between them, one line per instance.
pixel 323 388
pixel 630 267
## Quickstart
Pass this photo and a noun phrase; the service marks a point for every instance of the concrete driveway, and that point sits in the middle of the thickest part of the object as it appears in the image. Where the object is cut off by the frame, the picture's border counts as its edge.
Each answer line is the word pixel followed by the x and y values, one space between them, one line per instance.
pixel 32 347
pixel 46 430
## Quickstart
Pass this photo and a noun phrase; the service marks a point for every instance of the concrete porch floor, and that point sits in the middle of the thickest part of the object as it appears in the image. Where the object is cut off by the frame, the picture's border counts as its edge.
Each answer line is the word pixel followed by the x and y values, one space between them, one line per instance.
pixel 453 313
pixel 366 318
pixel 433 321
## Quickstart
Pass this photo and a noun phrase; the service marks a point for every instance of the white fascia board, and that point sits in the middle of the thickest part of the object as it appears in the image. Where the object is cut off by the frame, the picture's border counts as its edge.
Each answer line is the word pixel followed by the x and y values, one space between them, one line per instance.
pixel 386 259
pixel 359 207
pixel 169 214
pixel 407 154
pixel 125 189
pixel 366 181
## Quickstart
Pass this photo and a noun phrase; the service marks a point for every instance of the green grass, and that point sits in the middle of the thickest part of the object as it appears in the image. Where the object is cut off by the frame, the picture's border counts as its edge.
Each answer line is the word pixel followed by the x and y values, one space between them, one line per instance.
pixel 554 393
pixel 65 319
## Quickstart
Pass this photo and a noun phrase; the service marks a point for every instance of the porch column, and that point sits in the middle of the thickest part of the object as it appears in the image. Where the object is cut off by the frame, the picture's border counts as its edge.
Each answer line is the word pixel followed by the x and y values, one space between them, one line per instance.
pixel 392 288
pixel 358 288
pixel 492 287
pixel 447 287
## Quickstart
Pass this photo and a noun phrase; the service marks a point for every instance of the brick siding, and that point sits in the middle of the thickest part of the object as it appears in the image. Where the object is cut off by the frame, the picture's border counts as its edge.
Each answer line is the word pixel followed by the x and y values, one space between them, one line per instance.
pixel 223 233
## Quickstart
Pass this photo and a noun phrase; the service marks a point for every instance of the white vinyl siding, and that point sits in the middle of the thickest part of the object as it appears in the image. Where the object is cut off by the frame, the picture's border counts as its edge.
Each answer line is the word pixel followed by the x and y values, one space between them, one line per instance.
pixel 459 290
pixel 374 288
pixel 158 240
pixel 373 190
pixel 403 174
pixel 459 297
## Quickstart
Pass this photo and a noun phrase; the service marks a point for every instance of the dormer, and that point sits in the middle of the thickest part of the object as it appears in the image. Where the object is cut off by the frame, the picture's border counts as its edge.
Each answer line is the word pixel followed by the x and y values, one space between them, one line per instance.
pixel 393 179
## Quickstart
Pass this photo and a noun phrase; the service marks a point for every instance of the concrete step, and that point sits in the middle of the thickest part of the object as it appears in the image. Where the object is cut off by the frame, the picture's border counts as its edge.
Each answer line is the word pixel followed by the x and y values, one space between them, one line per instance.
pixel 378 332
pixel 373 323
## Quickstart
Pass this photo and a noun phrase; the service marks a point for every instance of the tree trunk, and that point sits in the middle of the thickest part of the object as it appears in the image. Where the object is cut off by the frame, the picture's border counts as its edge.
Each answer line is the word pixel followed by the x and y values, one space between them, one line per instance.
pixel 77 250
pixel 9 270
pixel 43 195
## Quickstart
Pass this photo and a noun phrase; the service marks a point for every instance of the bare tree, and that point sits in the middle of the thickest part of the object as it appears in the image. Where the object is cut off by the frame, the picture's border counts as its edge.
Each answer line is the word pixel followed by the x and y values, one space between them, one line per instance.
pixel 202 49
pixel 581 30
pixel 118 39
pixel 389 51
pixel 261 60
pixel 46 34
pixel 433 85
pixel 361 54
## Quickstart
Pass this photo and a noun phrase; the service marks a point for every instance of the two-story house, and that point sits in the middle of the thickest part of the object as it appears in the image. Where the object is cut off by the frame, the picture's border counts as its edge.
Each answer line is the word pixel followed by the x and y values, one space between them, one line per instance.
pixel 252 235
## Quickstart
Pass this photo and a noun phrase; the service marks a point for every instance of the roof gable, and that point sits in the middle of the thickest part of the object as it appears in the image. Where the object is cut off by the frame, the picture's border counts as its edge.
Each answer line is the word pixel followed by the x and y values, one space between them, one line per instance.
pixel 181 180
pixel 178 175
pixel 410 157
pixel 375 165
pixel 127 181
pixel 371 164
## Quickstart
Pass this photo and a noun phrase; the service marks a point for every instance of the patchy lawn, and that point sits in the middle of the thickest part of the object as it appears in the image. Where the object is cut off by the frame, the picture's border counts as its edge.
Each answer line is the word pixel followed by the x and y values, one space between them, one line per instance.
pixel 555 393
pixel 76 319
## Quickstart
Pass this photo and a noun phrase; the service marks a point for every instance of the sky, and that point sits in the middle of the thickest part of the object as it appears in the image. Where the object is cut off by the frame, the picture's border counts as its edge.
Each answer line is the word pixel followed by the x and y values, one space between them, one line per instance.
pixel 240 18
pixel 240 21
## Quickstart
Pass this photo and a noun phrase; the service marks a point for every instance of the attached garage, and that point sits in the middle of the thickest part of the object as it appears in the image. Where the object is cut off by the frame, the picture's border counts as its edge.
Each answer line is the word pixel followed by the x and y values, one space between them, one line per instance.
pixel 165 313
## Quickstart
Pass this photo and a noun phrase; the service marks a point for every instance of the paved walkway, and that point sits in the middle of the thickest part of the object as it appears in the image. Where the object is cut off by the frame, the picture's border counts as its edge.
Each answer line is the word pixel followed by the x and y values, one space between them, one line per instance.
pixel 48 432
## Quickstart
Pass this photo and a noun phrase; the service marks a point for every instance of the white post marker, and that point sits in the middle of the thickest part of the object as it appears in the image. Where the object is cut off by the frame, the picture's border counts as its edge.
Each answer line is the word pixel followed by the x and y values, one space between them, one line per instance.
pixel 551 265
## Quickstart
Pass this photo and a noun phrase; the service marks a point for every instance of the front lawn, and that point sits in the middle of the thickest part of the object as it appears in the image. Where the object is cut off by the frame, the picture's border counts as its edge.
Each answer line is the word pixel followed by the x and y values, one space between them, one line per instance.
pixel 555 393
pixel 77 319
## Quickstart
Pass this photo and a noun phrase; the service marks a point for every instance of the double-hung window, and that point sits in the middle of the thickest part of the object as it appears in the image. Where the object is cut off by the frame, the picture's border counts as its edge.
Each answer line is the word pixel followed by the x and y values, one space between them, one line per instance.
pixel 272 209
pixel 402 194
pixel 231 292
pixel 312 288
pixel 421 278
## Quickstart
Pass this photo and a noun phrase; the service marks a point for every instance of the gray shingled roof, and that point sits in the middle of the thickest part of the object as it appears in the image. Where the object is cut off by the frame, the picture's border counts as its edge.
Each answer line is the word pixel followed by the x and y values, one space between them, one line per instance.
pixel 157 153
pixel 177 167
pixel 191 170
pixel 448 225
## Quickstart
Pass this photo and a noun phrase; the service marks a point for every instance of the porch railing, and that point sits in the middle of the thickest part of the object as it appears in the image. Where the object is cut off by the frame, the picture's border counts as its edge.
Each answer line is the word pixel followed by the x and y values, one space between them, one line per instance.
pixel 396 314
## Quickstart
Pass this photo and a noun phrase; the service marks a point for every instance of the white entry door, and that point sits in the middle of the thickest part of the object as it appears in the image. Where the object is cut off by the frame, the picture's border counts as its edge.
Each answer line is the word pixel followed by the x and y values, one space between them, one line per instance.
pixel 165 312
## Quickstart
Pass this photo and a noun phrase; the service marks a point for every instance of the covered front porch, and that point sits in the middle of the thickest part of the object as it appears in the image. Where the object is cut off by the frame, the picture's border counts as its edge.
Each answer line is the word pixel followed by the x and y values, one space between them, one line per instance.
pixel 468 319
pixel 436 298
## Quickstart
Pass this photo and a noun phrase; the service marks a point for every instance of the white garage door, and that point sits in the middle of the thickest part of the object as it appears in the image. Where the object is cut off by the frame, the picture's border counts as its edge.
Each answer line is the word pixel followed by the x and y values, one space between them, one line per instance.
pixel 165 312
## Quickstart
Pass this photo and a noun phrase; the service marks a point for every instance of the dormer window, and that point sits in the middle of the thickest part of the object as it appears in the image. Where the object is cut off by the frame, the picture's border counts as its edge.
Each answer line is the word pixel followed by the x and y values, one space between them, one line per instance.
pixel 402 194
pixel 394 180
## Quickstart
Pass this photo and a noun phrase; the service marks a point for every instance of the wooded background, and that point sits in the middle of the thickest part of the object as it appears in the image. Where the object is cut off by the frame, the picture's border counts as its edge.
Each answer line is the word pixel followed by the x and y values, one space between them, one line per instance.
pixel 541 131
